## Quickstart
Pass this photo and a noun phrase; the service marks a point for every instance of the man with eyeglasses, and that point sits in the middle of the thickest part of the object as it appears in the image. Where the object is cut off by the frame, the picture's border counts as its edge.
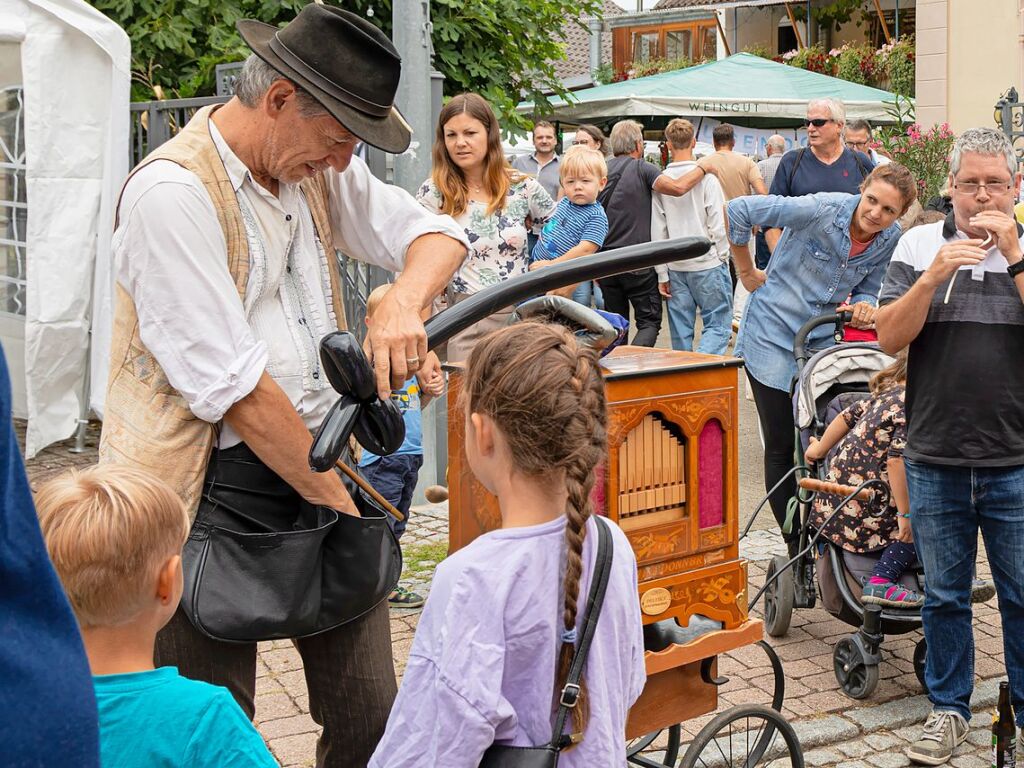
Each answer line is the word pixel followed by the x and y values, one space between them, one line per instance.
pixel 954 293
pixel 825 164
pixel 858 137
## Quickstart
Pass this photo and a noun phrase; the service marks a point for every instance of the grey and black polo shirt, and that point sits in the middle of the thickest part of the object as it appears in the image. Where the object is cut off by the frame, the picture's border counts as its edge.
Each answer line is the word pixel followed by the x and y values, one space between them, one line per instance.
pixel 965 380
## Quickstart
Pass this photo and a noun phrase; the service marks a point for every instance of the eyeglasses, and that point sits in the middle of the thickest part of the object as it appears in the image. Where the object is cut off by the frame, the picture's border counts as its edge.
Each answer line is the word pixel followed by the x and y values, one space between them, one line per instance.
pixel 992 188
pixel 576 143
pixel 817 122
pixel 857 144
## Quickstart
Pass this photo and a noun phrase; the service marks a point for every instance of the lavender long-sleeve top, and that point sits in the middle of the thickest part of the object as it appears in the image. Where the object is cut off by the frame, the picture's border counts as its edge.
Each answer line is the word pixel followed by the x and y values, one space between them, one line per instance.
pixel 482 665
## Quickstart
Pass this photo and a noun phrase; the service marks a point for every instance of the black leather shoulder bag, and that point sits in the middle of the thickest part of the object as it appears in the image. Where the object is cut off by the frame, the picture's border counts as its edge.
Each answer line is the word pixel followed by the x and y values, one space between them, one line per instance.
pixel 501 756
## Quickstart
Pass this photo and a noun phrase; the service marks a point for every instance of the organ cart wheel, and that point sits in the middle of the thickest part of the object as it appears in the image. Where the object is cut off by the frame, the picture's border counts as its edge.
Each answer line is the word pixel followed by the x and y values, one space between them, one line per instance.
pixel 636 746
pixel 920 660
pixel 778 597
pixel 749 735
pixel 855 675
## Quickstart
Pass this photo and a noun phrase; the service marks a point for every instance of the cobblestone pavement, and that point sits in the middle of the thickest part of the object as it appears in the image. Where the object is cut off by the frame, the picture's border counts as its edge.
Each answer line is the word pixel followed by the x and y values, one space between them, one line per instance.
pixel 836 731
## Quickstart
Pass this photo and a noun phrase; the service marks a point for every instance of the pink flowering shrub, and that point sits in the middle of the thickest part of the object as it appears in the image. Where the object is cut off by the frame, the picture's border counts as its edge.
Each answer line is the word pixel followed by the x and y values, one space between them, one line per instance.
pixel 924 151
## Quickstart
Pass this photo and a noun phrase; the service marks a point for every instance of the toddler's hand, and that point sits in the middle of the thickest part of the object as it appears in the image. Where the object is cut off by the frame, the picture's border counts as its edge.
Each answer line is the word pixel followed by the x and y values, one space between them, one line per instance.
pixel 435 386
pixel 814 451
pixel 540 264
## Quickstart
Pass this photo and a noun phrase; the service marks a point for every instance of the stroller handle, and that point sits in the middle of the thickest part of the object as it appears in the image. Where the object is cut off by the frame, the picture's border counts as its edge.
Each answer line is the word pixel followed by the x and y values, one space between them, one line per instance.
pixel 839 319
pixel 823 486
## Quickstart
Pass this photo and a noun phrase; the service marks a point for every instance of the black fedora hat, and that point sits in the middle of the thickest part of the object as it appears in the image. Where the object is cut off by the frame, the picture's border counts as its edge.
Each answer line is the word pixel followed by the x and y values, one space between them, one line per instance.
pixel 344 62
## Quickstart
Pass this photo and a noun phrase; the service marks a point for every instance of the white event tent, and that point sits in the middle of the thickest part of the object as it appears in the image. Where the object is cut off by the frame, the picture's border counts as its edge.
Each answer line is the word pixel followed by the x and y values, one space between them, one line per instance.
pixel 75 78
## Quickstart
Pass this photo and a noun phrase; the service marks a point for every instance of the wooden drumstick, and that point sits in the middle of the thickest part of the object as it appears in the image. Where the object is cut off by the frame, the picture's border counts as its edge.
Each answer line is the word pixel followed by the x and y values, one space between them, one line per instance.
pixel 822 486
pixel 362 483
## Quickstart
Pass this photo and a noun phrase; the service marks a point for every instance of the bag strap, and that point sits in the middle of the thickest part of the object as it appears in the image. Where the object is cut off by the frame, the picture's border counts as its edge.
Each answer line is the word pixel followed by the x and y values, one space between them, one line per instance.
pixel 599 585
pixel 796 164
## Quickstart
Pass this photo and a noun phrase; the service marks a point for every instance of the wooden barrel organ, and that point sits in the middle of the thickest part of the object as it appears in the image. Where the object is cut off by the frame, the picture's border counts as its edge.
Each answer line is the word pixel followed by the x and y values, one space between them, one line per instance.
pixel 671 483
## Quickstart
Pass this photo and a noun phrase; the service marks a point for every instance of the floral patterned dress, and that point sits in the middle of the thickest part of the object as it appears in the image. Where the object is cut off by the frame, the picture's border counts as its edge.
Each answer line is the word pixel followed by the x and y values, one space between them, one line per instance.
pixel 497 242
pixel 878 432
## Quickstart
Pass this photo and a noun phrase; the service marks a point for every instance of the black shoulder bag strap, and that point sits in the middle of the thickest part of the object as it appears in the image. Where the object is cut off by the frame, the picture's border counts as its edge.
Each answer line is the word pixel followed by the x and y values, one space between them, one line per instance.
pixel 598 586
pixel 796 164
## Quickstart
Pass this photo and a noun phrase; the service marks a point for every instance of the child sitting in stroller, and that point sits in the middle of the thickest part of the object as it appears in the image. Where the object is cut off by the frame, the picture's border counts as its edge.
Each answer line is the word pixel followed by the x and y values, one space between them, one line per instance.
pixel 869 437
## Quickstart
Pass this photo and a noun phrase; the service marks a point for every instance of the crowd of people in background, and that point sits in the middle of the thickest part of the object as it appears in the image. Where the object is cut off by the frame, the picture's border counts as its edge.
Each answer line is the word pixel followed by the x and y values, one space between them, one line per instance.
pixel 212 409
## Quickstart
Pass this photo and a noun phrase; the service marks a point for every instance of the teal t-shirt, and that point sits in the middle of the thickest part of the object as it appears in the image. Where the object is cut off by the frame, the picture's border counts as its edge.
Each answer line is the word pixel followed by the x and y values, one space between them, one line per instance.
pixel 159 719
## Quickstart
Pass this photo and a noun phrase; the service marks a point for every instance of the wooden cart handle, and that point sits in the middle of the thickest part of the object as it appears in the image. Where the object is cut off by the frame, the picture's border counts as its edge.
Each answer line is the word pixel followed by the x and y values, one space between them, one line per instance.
pixel 361 482
pixel 821 486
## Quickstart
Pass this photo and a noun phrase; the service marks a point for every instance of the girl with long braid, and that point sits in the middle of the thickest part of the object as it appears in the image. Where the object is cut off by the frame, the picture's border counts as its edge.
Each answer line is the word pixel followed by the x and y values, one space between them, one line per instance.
pixel 500 626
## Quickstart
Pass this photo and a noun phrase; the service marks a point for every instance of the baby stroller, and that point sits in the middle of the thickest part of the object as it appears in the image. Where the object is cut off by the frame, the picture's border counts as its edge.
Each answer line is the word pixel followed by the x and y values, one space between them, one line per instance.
pixel 828 382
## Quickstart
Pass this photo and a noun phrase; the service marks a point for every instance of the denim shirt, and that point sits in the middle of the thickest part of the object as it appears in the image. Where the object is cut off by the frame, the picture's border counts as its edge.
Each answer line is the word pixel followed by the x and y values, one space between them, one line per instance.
pixel 810 274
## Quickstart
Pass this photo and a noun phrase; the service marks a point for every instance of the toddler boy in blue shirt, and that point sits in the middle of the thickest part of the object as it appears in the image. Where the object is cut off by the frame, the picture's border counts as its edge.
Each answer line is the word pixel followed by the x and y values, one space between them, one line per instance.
pixel 115 536
pixel 395 476
pixel 579 224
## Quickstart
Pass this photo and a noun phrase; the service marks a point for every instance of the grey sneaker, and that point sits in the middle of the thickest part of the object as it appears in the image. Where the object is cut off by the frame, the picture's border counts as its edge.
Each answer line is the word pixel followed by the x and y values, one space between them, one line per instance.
pixel 943 732
pixel 982 590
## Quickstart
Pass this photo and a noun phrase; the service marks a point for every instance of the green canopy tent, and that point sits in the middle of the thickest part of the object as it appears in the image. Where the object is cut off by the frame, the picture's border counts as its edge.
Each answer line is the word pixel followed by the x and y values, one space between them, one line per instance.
pixel 743 89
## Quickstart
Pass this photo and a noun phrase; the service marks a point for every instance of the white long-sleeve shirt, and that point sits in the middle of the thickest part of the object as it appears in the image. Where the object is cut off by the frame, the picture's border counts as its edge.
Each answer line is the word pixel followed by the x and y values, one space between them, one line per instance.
pixel 698 213
pixel 170 254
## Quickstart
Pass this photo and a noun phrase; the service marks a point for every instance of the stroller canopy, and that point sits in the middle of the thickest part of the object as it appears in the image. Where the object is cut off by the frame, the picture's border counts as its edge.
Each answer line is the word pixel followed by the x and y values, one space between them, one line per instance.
pixel 842 364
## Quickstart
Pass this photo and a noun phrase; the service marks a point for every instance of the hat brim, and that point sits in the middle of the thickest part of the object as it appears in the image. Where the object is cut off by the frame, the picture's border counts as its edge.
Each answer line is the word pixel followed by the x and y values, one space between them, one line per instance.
pixel 390 133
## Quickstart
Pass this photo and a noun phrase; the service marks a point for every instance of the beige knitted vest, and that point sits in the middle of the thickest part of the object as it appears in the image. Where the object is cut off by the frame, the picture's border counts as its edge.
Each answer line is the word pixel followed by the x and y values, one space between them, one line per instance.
pixel 147 423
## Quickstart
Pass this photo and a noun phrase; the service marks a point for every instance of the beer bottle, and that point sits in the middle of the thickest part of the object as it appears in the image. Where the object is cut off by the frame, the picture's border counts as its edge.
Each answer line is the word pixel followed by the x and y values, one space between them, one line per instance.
pixel 1004 731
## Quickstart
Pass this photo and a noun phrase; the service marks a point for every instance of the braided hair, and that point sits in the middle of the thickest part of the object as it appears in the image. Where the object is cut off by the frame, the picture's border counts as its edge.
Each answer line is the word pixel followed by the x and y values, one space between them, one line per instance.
pixel 546 393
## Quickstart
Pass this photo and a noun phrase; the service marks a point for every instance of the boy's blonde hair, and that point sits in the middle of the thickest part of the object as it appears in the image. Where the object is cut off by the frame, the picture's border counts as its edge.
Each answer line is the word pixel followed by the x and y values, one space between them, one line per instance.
pixel 679 133
pixel 375 297
pixel 581 159
pixel 108 530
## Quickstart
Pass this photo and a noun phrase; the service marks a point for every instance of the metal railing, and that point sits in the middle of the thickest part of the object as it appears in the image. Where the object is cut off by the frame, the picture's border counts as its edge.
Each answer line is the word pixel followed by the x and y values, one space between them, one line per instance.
pixel 1010 116
pixel 13 202
pixel 154 122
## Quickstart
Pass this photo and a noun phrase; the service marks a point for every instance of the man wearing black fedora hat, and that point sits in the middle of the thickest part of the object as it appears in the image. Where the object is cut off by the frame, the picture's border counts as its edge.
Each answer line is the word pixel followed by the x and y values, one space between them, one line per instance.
pixel 224 255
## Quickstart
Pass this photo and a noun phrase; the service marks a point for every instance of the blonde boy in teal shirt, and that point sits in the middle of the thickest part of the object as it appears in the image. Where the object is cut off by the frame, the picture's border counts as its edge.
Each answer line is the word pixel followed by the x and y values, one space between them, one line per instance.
pixel 115 536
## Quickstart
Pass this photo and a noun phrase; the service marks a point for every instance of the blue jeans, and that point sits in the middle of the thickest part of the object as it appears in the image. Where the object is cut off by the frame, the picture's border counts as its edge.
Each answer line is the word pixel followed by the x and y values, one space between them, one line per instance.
pixel 710 291
pixel 761 252
pixel 584 291
pixel 948 506
pixel 394 478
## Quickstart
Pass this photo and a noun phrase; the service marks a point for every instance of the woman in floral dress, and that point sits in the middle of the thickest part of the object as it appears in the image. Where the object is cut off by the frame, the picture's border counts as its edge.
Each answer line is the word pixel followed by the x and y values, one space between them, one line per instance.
pixel 869 437
pixel 472 181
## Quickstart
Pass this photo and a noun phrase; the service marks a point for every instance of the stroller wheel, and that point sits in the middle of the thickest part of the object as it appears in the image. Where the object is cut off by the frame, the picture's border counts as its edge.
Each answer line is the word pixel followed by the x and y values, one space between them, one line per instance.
pixel 778 597
pixel 856 677
pixel 920 659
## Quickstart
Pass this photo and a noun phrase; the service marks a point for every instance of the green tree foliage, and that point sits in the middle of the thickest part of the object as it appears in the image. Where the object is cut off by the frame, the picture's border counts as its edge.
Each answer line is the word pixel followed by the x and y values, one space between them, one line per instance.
pixel 837 13
pixel 504 51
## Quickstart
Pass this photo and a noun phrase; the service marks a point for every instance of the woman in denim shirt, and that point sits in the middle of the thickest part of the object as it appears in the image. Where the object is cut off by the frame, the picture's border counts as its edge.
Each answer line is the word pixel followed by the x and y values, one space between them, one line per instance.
pixel 834 246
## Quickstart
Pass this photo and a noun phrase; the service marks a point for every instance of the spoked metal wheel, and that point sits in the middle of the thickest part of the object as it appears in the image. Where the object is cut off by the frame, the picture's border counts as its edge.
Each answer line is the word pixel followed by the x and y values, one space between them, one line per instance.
pixel 920 660
pixel 856 677
pixel 778 597
pixel 655 759
pixel 745 737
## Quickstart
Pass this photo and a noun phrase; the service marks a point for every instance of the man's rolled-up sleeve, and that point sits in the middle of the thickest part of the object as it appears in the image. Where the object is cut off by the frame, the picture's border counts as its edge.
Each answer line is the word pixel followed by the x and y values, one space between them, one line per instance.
pixel 376 222
pixel 172 260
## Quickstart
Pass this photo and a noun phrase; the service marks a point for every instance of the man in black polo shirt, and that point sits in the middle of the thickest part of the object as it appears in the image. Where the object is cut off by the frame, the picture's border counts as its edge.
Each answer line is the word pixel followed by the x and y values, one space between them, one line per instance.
pixel 627 201
pixel 965 420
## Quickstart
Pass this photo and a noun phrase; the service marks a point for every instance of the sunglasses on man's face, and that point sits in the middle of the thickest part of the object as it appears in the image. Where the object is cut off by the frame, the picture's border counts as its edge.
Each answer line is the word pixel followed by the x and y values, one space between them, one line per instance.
pixel 817 122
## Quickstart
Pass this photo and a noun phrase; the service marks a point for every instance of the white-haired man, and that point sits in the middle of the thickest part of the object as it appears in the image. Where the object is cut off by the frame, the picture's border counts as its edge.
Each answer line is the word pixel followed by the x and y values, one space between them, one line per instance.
pixel 825 164
pixel 954 293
